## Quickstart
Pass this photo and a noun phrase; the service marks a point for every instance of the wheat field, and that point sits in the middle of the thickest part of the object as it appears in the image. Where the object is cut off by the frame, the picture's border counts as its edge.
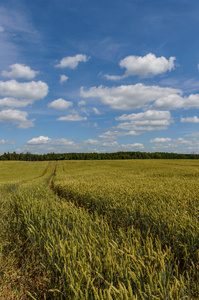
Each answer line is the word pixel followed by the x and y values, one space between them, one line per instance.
pixel 125 229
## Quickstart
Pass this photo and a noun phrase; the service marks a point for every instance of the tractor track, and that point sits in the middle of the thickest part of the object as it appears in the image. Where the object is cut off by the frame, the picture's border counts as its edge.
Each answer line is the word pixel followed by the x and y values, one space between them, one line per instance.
pixel 50 184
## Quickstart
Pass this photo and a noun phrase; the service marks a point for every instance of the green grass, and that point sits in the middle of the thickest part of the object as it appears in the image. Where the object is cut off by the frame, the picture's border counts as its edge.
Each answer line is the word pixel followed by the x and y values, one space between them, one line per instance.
pixel 106 230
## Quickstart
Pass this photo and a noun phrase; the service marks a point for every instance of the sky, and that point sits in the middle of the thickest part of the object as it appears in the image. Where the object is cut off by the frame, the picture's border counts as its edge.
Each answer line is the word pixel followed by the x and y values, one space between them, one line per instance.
pixel 99 76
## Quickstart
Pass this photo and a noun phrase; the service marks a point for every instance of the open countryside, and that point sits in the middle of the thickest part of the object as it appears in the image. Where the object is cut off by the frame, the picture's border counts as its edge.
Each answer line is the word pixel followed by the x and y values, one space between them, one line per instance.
pixel 111 229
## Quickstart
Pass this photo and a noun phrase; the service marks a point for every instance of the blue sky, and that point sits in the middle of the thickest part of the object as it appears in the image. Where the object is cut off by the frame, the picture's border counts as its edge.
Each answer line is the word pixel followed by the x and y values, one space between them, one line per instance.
pixel 99 76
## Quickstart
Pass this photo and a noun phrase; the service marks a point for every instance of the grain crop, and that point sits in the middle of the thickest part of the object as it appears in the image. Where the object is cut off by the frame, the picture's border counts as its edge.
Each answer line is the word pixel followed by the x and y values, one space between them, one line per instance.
pixel 104 230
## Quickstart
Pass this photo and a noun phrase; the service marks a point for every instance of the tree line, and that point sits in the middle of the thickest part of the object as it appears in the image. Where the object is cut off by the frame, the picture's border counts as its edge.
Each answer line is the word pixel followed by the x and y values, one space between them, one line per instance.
pixel 95 156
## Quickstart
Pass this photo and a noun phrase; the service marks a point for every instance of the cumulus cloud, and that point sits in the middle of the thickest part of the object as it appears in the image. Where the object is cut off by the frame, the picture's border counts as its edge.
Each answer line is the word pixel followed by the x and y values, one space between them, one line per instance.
pixel 147 65
pixel 182 141
pixel 174 101
pixel 30 90
pixel 72 61
pixel 17 117
pixel 44 143
pixel 81 103
pixel 44 140
pixel 12 102
pixel 194 119
pixel 127 97
pixel 144 116
pixel 1 28
pixel 20 71
pixel 144 66
pixel 91 142
pixel 147 121
pixel 63 78
pixel 112 135
pixel 160 140
pixel 167 143
pixel 72 117
pixel 109 144
pixel 39 141
pixel 60 104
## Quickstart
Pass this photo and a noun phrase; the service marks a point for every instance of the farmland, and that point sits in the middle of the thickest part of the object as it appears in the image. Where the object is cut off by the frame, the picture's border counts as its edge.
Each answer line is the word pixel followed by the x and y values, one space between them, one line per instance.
pixel 125 229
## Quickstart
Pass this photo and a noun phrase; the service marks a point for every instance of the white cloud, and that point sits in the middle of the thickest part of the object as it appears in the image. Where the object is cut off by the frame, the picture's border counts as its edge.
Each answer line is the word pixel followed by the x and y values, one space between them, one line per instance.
pixel 112 135
pixel 130 147
pixel 96 111
pixel 145 116
pixel 91 142
pixel 147 65
pixel 63 78
pixel 147 121
pixel 6 142
pixel 31 90
pixel 73 117
pixel 72 61
pixel 157 147
pixel 16 117
pixel 194 135
pixel 60 104
pixel 182 141
pixel 20 71
pixel 167 143
pixel 176 101
pixel 39 141
pixel 1 28
pixel 160 140
pixel 194 119
pixel 44 140
pixel 62 142
pixel 12 102
pixel 109 144
pixel 113 77
pixel 169 102
pixel 81 103
pixel 144 66
pixel 127 97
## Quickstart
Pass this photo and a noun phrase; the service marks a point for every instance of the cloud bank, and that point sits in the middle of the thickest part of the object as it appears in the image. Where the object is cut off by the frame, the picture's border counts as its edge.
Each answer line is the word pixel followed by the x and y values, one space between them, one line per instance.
pixel 126 97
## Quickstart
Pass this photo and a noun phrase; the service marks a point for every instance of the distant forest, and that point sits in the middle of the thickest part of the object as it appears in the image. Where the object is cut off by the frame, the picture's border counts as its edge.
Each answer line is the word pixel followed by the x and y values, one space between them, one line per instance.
pixel 95 156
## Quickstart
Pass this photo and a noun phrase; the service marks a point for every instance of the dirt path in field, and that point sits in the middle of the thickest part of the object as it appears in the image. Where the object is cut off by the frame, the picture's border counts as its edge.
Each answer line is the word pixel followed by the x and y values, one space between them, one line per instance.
pixel 46 169
pixel 50 185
